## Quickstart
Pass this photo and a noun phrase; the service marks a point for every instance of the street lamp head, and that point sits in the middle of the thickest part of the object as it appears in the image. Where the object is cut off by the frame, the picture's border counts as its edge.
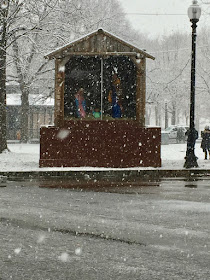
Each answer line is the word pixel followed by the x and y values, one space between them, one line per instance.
pixel 194 11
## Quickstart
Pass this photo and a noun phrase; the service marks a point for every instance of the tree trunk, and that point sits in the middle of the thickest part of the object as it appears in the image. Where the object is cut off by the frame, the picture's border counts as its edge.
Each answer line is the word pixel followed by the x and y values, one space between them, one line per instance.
pixel 148 115
pixel 166 115
pixel 157 114
pixel 3 40
pixel 24 112
pixel 3 126
pixel 24 117
pixel 173 119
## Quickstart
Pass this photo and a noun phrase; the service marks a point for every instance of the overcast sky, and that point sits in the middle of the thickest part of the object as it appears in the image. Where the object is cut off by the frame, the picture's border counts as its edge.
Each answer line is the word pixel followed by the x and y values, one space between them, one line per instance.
pixel 156 25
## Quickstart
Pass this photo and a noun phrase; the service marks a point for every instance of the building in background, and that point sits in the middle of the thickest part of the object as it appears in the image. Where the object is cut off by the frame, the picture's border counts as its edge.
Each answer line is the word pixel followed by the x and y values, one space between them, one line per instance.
pixel 41 112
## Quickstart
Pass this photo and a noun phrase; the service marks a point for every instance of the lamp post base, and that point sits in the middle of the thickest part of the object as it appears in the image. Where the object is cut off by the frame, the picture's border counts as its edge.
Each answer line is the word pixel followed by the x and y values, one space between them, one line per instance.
pixel 190 160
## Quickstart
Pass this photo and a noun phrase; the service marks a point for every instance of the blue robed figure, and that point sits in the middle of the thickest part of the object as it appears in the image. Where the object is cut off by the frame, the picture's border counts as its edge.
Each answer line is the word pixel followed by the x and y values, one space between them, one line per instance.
pixel 116 110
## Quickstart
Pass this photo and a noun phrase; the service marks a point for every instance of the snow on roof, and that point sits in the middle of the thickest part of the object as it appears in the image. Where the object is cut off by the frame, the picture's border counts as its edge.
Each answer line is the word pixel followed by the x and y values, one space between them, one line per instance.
pixel 71 43
pixel 34 100
pixel 85 37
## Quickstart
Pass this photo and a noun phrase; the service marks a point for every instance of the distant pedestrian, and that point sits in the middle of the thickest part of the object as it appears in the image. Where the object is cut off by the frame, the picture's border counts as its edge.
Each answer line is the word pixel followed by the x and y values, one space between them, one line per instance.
pixel 18 135
pixel 205 143
pixel 180 135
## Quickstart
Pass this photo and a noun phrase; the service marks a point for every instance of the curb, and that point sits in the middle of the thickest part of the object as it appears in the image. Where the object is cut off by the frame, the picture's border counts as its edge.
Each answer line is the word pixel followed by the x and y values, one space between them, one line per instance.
pixel 109 175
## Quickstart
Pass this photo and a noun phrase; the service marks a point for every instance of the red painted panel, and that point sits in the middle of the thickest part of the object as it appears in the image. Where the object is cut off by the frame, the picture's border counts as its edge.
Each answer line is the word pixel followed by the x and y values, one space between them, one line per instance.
pixel 100 143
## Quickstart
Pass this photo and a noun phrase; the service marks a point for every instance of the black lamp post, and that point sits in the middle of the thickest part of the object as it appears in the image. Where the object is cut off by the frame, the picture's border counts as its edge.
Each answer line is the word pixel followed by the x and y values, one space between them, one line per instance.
pixel 194 13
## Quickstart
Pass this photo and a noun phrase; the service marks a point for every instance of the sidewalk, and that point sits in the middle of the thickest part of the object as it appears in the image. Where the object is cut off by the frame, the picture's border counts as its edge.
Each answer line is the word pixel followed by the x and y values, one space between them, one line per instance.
pixel 23 162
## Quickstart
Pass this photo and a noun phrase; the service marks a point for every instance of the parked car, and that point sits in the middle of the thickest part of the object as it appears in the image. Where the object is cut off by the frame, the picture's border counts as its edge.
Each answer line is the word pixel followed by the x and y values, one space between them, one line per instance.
pixel 176 132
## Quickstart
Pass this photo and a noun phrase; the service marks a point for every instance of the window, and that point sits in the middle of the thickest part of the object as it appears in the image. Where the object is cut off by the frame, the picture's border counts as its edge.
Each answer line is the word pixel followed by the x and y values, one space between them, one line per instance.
pixel 89 85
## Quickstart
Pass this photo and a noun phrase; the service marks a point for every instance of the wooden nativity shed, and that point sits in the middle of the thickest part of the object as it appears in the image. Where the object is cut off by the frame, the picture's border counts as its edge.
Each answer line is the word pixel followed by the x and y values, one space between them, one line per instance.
pixel 100 89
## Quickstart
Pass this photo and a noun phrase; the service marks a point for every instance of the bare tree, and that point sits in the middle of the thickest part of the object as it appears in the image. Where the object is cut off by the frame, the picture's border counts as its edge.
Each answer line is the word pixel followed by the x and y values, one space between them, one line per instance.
pixel 168 74
pixel 27 52
pixel 6 19
pixel 3 43
pixel 47 24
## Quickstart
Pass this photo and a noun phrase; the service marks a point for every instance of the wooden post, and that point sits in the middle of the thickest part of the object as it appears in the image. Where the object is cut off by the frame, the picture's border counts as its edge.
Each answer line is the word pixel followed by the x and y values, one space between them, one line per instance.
pixel 141 92
pixel 102 77
pixel 57 97
pixel 59 94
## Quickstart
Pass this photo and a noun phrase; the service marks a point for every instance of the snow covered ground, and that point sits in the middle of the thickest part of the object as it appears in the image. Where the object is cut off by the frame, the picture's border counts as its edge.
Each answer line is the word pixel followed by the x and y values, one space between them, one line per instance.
pixel 25 157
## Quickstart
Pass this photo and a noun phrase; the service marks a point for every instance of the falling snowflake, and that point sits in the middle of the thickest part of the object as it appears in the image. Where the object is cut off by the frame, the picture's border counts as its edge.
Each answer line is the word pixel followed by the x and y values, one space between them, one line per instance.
pixel 62 68
pixel 17 251
pixel 64 257
pixel 4 5
pixel 62 134
pixel 87 177
pixel 78 251
pixel 41 238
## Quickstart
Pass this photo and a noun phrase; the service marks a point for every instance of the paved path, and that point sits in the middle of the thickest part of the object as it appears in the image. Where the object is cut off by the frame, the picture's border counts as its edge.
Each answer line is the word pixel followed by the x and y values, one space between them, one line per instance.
pixel 159 231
